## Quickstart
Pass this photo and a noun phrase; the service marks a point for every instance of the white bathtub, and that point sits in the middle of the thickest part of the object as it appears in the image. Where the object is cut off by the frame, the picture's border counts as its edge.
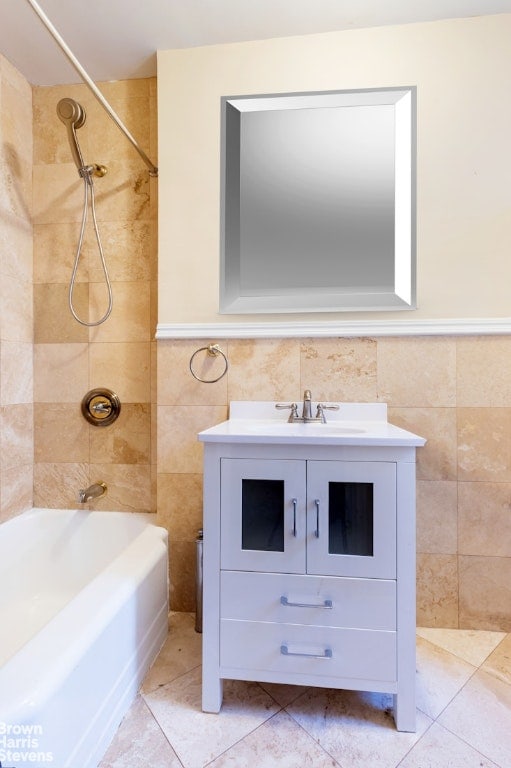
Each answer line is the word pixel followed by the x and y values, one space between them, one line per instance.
pixel 83 613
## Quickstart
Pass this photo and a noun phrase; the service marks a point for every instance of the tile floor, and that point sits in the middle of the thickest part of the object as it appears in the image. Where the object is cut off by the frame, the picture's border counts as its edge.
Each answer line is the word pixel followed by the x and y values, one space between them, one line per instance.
pixel 463 716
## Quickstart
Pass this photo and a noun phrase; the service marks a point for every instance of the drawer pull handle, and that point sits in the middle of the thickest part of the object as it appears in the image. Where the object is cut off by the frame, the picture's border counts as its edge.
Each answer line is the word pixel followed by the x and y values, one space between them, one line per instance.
pixel 325 604
pixel 295 502
pixel 316 502
pixel 326 654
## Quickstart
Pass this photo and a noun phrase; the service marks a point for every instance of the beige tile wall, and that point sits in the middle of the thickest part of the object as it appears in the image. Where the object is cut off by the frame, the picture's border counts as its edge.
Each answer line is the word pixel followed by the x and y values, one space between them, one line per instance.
pixel 16 431
pixel 456 392
pixel 70 359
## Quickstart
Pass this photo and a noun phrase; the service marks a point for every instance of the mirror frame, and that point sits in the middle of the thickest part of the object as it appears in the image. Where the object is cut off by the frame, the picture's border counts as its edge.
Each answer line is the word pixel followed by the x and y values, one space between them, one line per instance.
pixel 402 294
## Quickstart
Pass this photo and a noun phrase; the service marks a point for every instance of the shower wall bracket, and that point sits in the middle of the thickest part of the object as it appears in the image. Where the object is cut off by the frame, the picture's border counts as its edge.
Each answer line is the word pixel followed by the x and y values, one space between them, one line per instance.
pixel 101 407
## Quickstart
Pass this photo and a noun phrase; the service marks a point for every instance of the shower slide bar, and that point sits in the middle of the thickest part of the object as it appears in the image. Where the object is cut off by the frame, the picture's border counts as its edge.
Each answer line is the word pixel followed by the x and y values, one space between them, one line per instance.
pixel 153 170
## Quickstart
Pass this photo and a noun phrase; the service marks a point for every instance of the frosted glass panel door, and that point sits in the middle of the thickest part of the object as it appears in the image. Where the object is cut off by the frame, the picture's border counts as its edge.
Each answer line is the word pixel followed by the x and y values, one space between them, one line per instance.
pixel 351 519
pixel 263 515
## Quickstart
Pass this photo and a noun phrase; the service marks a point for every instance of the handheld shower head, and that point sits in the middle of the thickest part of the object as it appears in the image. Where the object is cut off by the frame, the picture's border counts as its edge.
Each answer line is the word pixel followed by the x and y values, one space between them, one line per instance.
pixel 73 116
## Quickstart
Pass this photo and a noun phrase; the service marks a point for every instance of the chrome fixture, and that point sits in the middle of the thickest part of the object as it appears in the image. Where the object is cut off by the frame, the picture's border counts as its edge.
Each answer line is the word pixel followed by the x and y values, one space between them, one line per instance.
pixel 101 407
pixel 73 116
pixel 94 491
pixel 307 416
pixel 153 170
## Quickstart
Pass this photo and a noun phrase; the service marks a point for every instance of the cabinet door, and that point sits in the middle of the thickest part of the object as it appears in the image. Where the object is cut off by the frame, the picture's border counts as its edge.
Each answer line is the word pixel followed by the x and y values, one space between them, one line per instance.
pixel 262 521
pixel 351 519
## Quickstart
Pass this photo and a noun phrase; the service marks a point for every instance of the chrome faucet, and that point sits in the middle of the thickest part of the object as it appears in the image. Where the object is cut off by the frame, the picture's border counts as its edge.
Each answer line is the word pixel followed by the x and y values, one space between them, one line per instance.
pixel 94 491
pixel 307 410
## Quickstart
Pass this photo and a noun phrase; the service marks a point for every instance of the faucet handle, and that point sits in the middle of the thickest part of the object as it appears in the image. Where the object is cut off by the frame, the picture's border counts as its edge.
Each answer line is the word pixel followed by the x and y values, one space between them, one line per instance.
pixel 292 406
pixel 321 408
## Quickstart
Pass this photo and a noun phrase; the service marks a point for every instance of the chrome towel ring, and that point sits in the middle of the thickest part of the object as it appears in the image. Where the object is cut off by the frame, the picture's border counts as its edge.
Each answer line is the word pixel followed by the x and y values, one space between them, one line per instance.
pixel 212 350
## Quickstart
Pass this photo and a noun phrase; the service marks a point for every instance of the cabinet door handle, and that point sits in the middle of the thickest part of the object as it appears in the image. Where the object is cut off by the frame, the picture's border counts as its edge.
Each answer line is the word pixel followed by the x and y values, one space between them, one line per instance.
pixel 324 604
pixel 295 502
pixel 316 532
pixel 286 651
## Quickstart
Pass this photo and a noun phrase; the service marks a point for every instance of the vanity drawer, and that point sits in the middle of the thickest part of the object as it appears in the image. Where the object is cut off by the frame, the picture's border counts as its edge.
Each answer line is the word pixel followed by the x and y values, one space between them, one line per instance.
pixel 326 652
pixel 313 600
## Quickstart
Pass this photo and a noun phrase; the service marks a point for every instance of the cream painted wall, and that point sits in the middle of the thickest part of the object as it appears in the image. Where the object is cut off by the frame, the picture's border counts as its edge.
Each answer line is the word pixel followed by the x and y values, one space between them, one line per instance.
pixel 462 70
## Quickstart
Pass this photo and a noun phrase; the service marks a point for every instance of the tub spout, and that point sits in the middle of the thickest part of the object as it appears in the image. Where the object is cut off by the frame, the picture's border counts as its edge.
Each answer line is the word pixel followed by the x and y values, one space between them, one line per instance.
pixel 94 491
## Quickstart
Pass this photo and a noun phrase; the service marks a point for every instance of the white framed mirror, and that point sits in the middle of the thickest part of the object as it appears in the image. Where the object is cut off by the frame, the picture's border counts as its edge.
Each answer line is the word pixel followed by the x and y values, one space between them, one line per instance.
pixel 318 201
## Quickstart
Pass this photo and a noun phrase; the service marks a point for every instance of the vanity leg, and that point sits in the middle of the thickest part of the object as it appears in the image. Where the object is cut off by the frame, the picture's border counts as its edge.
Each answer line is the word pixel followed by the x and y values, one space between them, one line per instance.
pixel 212 694
pixel 404 709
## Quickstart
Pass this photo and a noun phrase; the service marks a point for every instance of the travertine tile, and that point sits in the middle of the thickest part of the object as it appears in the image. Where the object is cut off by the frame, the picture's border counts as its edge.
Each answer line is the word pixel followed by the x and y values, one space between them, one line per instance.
pixel 182 568
pixel 498 663
pixel 437 590
pixel 16 373
pixel 180 654
pixel 439 748
pixel 16 436
pixel 264 369
pixel 179 450
pixel 484 371
pixel 440 676
pixel 484 447
pixel 57 485
pixel 417 372
pixel 437 459
pixel 339 369
pixel 16 250
pixel 284 694
pixel 279 741
pixel 140 742
pixel 130 317
pixel 481 716
pixel 180 505
pixel 123 367
pixel 55 323
pixel 180 387
pixel 16 490
pixel 471 645
pixel 355 728
pixel 58 193
pixel 129 487
pixel 17 310
pixel 437 530
pixel 55 247
pixel 60 372
pixel 484 519
pixel 123 194
pixel 177 707
pixel 485 592
pixel 61 433
pixel 127 251
pixel 127 440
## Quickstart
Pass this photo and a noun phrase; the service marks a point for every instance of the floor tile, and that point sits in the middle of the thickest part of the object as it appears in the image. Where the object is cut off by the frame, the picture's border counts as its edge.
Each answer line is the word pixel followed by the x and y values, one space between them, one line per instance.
pixel 356 728
pixel 284 694
pixel 439 748
pixel 499 663
pixel 139 742
pixel 180 653
pixel 481 715
pixel 199 737
pixel 279 741
pixel 472 645
pixel 440 676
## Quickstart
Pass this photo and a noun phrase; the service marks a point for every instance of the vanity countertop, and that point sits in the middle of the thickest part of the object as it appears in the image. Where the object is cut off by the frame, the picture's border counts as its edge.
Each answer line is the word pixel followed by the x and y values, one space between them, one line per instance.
pixel 354 424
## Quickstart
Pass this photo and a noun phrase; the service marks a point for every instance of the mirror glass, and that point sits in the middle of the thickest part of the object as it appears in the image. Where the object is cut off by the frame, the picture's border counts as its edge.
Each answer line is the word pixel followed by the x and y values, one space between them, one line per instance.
pixel 318 202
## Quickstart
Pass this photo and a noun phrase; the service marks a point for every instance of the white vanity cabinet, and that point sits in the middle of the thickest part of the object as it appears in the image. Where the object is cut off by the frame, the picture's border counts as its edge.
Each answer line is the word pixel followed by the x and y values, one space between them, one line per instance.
pixel 309 562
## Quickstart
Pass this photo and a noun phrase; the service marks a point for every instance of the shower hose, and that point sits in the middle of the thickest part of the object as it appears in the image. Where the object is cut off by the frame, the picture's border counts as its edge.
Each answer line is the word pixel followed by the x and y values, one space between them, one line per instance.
pixel 88 186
